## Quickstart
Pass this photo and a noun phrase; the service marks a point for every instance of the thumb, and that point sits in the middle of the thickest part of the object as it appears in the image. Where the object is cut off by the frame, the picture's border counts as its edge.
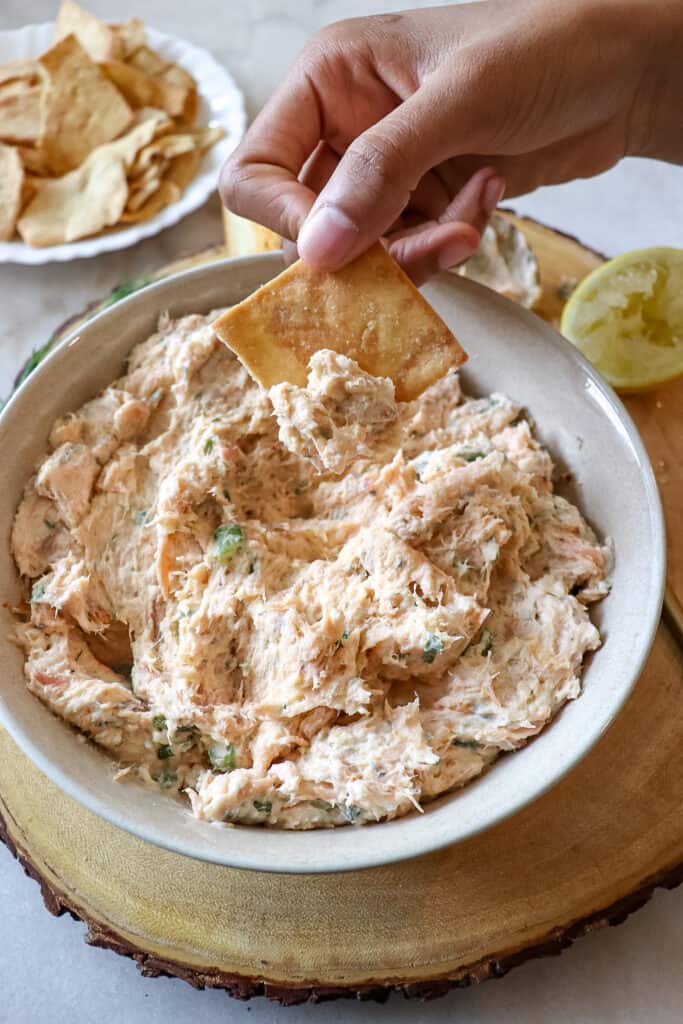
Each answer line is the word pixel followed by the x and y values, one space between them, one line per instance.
pixel 373 182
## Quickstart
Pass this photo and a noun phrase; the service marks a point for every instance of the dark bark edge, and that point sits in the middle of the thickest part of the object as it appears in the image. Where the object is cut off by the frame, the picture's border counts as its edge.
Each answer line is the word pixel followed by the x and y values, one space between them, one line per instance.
pixel 244 987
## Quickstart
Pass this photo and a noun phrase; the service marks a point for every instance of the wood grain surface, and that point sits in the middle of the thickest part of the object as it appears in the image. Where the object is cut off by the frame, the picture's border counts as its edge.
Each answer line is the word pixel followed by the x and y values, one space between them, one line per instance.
pixel 587 853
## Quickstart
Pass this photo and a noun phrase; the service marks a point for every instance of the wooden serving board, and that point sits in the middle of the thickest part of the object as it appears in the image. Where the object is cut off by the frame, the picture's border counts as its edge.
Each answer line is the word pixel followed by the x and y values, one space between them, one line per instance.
pixel 586 854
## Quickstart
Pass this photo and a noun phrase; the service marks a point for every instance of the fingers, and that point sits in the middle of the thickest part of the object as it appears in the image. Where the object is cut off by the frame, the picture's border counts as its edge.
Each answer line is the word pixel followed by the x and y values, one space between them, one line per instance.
pixel 319 167
pixel 443 243
pixel 431 246
pixel 578 156
pixel 434 248
pixel 373 182
pixel 477 199
pixel 260 179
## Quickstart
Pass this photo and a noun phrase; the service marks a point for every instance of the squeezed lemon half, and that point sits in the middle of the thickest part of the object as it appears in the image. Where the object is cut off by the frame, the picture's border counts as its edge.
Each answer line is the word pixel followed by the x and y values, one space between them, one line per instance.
pixel 627 318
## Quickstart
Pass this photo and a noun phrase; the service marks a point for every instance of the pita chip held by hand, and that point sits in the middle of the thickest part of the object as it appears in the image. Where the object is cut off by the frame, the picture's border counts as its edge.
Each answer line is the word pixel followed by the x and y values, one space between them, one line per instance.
pixel 369 311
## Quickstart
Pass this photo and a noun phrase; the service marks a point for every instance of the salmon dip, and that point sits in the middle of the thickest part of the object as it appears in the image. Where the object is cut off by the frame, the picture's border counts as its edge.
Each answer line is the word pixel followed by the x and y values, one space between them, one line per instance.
pixel 302 607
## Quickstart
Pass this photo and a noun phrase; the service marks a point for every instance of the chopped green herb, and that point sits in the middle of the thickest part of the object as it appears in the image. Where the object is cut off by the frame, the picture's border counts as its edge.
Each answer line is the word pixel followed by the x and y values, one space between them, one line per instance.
pixel 35 359
pixel 264 806
pixel 565 289
pixel 486 640
pixel 227 539
pixel 208 445
pixel 223 757
pixel 342 639
pixel 350 812
pixel 421 462
pixel 166 779
pixel 164 751
pixel 433 645
pixel 472 456
pixel 159 721
pixel 38 593
pixel 467 744
pixel 125 289
pixel 50 525
pixel 185 737
pixel 226 494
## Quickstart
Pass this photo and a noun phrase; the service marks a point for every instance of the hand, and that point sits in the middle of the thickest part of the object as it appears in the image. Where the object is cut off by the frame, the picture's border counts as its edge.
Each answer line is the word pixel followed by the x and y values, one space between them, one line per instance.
pixel 410 126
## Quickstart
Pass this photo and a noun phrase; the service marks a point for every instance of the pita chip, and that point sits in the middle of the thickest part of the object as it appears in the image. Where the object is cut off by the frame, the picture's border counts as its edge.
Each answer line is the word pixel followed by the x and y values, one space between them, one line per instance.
pixel 369 310
pixel 77 205
pixel 177 87
pixel 21 115
pixel 183 169
pixel 130 36
pixel 154 170
pixel 82 109
pixel 147 125
pixel 164 148
pixel 140 191
pixel 27 71
pixel 164 195
pixel 11 190
pixel 97 39
pixel 138 88
pixel 34 161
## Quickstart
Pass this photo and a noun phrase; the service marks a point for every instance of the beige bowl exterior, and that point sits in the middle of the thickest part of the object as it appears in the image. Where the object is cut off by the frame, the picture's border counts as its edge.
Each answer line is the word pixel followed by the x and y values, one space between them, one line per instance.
pixel 580 420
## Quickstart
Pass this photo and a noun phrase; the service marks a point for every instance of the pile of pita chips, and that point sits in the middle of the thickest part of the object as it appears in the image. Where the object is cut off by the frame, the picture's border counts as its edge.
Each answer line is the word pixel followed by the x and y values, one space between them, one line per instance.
pixel 369 311
pixel 97 132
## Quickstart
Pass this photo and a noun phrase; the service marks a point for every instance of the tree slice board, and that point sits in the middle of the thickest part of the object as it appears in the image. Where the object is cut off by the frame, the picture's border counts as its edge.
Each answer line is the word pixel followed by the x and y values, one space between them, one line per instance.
pixel 586 854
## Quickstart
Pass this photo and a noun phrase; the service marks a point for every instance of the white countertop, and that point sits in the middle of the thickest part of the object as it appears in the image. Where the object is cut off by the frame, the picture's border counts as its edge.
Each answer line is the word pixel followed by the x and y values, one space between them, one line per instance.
pixel 626 975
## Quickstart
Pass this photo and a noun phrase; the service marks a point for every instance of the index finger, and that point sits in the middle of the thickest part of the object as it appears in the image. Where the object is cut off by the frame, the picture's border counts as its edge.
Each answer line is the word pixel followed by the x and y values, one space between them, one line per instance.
pixel 260 178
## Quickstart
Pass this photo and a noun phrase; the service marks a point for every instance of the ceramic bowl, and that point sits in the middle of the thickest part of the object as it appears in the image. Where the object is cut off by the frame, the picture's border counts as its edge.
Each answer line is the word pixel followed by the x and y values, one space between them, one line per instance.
pixel 577 417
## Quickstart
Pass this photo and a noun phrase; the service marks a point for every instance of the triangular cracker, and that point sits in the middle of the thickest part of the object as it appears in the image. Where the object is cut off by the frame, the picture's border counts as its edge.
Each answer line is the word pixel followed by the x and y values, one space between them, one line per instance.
pixel 97 39
pixel 369 310
pixel 82 109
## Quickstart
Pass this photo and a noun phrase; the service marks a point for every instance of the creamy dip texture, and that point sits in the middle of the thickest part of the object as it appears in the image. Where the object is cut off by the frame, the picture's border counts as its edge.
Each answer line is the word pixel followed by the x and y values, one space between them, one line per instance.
pixel 302 607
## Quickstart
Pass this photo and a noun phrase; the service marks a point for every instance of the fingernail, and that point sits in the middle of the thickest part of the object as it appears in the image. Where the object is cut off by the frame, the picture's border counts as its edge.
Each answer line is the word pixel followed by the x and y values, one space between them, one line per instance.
pixel 326 238
pixel 494 190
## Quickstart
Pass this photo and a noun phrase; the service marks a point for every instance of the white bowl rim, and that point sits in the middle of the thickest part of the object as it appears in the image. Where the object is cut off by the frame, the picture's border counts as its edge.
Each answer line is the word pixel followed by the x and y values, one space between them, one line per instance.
pixel 362 853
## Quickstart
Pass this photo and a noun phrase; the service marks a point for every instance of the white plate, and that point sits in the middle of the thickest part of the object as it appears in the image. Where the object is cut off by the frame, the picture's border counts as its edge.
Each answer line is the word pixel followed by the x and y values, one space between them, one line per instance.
pixel 221 102
pixel 580 420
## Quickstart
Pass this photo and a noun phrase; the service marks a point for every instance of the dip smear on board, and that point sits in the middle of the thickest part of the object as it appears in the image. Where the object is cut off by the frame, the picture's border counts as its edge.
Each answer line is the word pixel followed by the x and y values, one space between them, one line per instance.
pixel 302 607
